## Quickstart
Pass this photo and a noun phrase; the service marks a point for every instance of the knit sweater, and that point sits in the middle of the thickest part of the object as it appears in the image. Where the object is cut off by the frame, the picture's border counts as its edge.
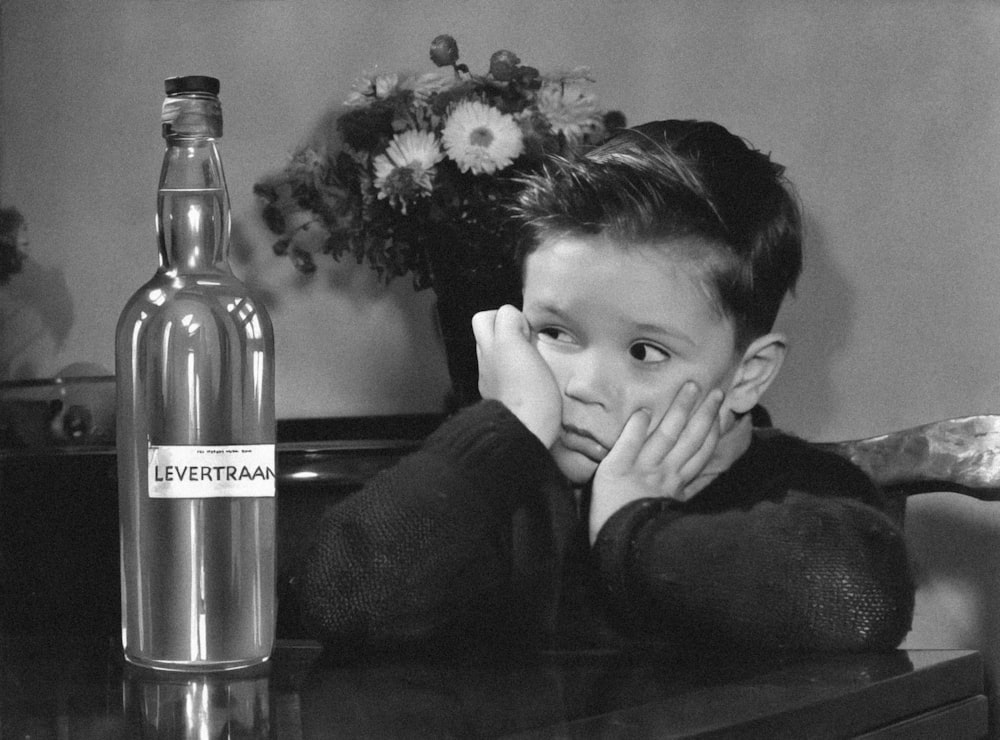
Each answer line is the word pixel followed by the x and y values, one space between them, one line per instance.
pixel 478 536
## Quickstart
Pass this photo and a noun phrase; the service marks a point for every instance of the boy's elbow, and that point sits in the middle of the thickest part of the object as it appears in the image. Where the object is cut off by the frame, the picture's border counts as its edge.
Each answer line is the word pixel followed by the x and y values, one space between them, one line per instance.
pixel 857 616
pixel 860 579
pixel 891 615
pixel 868 609
pixel 882 626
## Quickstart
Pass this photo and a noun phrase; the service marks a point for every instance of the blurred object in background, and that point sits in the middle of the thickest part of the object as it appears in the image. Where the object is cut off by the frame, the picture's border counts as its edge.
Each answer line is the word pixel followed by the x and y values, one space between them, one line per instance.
pixel 36 310
pixel 75 408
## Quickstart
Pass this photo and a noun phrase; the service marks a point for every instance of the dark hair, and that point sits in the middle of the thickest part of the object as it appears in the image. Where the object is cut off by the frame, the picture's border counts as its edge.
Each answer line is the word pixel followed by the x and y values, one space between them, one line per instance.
pixel 676 180
pixel 11 258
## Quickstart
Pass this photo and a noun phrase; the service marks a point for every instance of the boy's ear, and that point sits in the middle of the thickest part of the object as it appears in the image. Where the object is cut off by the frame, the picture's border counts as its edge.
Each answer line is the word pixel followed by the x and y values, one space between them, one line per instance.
pixel 757 370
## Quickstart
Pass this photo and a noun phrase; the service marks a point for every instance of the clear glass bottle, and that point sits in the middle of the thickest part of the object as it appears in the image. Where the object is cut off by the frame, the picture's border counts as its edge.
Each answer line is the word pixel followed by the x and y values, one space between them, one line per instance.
pixel 195 423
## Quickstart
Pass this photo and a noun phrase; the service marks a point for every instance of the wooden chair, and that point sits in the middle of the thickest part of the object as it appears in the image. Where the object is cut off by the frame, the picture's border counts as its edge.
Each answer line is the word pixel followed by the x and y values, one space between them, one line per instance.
pixel 961 455
pixel 952 529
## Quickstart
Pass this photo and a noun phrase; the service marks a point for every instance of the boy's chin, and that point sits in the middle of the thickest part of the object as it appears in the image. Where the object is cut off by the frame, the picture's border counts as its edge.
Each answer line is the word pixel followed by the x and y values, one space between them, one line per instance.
pixel 576 467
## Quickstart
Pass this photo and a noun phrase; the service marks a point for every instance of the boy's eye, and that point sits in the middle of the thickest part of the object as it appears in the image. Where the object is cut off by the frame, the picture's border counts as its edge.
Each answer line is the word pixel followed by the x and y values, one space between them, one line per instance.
pixel 554 334
pixel 645 352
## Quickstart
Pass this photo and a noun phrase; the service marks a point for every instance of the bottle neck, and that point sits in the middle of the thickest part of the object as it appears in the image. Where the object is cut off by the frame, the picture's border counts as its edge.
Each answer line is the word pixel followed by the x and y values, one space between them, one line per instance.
pixel 193 217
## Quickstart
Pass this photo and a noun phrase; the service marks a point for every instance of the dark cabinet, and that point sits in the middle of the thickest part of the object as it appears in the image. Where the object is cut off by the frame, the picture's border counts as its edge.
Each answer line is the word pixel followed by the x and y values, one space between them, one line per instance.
pixel 59 517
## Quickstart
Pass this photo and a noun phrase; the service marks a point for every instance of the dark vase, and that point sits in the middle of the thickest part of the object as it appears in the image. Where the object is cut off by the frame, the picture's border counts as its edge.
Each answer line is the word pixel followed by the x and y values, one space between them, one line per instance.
pixel 488 279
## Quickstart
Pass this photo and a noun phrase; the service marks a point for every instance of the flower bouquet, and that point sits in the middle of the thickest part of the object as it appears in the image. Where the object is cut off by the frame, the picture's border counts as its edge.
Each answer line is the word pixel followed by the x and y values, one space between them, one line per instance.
pixel 412 174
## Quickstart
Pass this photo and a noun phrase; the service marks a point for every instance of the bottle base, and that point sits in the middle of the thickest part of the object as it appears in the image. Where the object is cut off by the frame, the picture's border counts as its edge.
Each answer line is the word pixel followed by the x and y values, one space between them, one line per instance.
pixel 187 666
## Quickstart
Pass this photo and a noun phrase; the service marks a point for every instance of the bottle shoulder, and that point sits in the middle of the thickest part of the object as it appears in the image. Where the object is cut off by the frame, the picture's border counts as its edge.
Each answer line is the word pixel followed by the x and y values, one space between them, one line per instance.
pixel 188 296
pixel 165 287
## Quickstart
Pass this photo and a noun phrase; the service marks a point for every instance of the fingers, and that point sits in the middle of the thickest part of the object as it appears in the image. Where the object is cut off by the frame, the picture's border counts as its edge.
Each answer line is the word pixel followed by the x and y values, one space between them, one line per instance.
pixel 668 431
pixel 503 323
pixel 686 436
pixel 510 323
pixel 631 441
pixel 710 429
pixel 703 423
pixel 482 327
pixel 512 371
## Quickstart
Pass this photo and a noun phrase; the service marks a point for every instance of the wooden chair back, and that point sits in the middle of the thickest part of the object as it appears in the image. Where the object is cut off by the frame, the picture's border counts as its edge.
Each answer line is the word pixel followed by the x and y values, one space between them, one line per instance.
pixel 961 455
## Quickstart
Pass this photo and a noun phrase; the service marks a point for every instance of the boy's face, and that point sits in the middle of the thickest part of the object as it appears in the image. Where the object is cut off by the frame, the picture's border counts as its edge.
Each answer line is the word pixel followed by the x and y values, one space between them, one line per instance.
pixel 621 329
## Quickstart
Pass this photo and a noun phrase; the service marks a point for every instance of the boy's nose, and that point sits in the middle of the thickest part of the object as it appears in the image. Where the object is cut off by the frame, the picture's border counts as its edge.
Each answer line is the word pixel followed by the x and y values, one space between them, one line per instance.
pixel 590 379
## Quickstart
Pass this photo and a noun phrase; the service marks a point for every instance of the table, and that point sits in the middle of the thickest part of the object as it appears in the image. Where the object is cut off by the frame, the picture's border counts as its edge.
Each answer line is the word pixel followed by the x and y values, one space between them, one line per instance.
pixel 61 674
pixel 84 690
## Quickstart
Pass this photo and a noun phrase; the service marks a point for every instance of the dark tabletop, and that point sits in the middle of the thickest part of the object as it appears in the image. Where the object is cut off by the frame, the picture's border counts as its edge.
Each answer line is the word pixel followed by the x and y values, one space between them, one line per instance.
pixel 81 689
pixel 62 676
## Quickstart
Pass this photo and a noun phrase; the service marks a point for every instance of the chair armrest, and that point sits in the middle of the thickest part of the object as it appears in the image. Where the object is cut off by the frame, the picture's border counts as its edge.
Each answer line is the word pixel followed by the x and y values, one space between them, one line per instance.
pixel 961 454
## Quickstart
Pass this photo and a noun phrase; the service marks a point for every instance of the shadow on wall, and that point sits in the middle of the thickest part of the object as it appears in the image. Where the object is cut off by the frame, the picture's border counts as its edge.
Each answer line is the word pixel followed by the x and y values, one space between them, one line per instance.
pixel 36 310
pixel 805 390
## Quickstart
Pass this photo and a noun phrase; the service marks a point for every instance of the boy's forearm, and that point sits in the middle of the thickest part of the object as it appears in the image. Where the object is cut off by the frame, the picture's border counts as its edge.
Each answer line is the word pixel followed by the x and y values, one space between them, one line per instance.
pixel 424 539
pixel 803 574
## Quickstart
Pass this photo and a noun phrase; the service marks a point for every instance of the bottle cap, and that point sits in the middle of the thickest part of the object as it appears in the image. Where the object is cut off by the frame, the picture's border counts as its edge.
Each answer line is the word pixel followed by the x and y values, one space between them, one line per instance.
pixel 191 84
pixel 192 107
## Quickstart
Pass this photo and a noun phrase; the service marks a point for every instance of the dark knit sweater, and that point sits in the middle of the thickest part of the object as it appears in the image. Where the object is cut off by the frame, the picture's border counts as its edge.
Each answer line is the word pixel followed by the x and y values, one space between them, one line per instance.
pixel 479 535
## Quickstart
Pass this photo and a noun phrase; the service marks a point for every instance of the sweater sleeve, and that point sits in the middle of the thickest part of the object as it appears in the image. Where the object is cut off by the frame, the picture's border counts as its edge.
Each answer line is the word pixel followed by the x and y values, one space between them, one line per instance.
pixel 797 572
pixel 426 545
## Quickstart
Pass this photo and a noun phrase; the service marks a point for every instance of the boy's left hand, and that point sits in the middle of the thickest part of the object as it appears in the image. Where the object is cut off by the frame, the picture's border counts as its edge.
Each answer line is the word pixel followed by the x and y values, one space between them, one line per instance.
pixel 660 462
pixel 512 371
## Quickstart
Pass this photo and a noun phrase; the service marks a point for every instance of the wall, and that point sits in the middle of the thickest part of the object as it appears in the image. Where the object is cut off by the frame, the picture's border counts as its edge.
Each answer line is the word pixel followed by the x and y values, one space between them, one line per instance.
pixel 884 112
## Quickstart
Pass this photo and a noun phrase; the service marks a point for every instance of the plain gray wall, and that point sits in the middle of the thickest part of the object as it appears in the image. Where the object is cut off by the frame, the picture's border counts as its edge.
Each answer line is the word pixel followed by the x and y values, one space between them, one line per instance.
pixel 887 115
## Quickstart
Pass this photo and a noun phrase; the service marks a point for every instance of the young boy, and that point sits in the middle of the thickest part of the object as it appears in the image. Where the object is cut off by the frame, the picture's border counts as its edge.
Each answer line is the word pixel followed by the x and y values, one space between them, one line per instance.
pixel 611 486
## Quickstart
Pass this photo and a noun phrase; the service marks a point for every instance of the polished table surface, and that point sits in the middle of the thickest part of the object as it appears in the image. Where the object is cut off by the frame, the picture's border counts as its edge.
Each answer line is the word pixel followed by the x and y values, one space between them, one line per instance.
pixel 83 689
pixel 61 674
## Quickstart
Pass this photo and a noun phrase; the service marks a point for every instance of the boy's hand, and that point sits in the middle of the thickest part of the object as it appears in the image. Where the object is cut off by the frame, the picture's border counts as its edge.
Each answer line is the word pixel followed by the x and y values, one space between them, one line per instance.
pixel 658 462
pixel 513 372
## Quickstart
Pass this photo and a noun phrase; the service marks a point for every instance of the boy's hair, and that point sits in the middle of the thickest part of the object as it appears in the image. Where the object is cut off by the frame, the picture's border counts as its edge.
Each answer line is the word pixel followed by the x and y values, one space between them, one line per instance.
pixel 681 180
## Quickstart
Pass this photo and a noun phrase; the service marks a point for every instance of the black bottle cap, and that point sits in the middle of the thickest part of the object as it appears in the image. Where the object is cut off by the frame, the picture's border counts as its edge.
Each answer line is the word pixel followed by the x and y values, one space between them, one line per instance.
pixel 191 84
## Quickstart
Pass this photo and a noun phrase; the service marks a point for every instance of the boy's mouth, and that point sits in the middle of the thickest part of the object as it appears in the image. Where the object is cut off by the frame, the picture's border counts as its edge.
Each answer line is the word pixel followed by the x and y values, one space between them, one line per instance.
pixel 582 441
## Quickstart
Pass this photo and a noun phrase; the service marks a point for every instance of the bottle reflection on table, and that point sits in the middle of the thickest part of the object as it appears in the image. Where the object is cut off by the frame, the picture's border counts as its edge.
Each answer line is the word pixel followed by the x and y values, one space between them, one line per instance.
pixel 194 706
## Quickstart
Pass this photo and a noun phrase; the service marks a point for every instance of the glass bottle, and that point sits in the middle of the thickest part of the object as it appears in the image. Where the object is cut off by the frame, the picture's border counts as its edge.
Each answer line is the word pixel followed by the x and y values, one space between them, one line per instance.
pixel 195 423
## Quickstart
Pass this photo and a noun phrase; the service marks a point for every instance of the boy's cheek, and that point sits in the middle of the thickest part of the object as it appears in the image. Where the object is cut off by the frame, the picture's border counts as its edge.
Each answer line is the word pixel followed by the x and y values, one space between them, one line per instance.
pixel 655 404
pixel 727 417
pixel 550 359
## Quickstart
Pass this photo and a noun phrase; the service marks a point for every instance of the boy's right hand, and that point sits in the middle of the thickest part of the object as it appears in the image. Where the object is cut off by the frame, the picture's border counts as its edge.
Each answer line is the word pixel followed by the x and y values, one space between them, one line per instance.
pixel 512 371
pixel 658 459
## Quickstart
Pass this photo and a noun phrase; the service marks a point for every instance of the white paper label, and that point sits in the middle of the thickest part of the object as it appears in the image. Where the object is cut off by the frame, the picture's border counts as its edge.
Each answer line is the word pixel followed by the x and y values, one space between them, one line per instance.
pixel 196 471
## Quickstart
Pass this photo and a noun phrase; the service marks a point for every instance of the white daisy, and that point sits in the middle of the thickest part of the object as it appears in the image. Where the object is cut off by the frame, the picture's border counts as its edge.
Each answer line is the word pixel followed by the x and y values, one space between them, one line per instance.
pixel 481 139
pixel 404 171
